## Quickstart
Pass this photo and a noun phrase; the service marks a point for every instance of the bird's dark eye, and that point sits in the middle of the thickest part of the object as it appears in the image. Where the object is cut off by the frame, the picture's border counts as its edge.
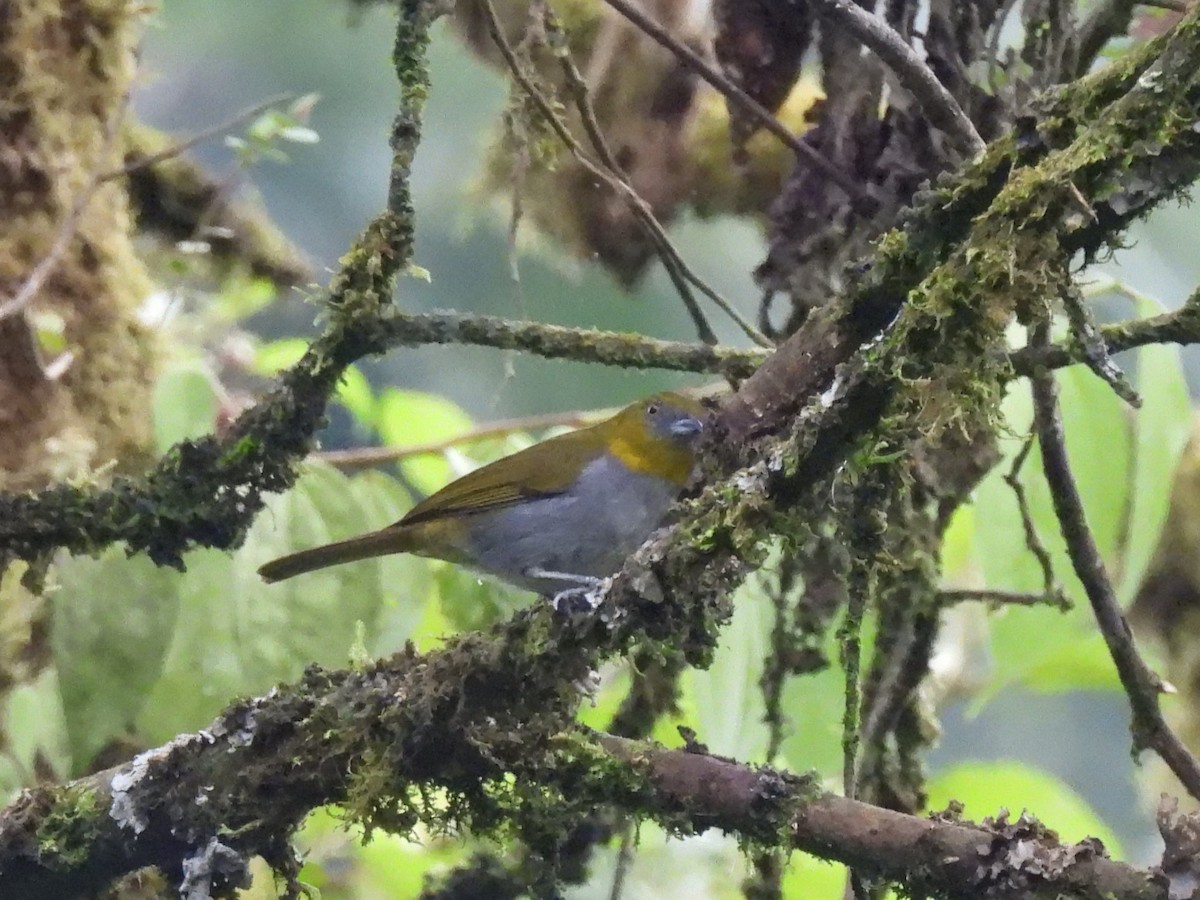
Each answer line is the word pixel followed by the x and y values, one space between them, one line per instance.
pixel 652 409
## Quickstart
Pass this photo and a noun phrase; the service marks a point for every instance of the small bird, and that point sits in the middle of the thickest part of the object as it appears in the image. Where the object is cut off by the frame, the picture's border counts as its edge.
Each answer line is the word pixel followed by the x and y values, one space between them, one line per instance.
pixel 554 518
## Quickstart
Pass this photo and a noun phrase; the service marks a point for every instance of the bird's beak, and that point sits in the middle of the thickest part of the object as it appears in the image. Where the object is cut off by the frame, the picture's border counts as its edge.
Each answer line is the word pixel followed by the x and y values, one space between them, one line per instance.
pixel 686 427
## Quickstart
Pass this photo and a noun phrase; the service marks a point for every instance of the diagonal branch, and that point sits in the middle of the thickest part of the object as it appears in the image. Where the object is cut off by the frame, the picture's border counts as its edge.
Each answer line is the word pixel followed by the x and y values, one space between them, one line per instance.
pixel 937 102
pixel 279 755
pixel 681 276
pixel 735 95
pixel 1141 684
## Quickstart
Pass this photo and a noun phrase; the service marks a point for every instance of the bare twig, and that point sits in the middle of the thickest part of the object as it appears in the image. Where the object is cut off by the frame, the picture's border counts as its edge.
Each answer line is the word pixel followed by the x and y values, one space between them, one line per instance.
pixel 198 138
pixel 937 102
pixel 614 179
pixel 362 457
pixel 670 257
pixel 1141 684
pixel 1034 543
pixel 1095 351
pixel 1003 598
pixel 738 97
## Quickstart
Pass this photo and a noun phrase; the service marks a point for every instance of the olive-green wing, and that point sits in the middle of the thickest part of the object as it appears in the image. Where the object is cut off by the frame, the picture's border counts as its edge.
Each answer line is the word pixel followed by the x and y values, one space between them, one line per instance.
pixel 546 469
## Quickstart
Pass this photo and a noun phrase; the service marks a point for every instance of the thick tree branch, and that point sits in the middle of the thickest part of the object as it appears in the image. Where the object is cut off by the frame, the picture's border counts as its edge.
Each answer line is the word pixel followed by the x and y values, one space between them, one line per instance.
pixel 489 713
pixel 277 756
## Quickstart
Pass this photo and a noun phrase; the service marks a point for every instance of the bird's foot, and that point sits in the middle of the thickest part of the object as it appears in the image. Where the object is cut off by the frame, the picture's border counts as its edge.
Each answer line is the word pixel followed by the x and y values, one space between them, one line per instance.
pixel 580 598
pixel 589 686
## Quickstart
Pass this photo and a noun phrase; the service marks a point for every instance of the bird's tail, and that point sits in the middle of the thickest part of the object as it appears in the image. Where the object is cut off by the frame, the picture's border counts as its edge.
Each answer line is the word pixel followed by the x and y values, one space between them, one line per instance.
pixel 364 546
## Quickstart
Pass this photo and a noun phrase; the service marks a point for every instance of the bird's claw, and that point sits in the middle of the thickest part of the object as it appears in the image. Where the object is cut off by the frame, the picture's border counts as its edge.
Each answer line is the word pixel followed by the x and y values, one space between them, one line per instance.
pixel 580 599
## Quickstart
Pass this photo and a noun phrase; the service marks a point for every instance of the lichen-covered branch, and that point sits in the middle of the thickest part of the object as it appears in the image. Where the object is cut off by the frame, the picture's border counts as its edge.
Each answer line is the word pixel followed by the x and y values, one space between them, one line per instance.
pixel 364 738
pixel 487 720
pixel 205 493
pixel 1181 326
pixel 631 351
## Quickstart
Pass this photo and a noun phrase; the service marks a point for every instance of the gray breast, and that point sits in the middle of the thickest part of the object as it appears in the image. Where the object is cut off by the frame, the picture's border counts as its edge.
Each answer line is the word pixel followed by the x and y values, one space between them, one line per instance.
pixel 588 530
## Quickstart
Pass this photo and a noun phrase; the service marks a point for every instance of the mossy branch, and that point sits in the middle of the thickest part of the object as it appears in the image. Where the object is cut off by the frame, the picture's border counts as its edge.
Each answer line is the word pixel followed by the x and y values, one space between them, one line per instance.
pixel 279 755
pixel 930 312
pixel 630 351
pixel 205 493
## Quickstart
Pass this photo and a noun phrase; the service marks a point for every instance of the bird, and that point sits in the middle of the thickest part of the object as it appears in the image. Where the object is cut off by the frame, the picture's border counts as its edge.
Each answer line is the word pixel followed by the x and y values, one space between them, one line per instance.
pixel 555 518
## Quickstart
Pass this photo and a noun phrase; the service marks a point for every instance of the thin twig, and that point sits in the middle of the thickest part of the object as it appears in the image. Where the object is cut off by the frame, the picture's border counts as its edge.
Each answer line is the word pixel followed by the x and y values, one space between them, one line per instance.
pixel 624 860
pixel 1033 543
pixel 1003 598
pixel 560 342
pixel 1179 327
pixel 1095 352
pixel 363 457
pixel 937 102
pixel 637 205
pixel 1141 684
pixel 993 54
pixel 739 98
pixel 66 232
pixel 670 257
pixel 199 137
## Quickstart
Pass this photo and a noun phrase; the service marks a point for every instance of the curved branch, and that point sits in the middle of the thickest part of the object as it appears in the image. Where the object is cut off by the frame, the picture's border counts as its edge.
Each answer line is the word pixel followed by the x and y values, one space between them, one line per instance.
pixel 735 95
pixel 937 102
pixel 1141 684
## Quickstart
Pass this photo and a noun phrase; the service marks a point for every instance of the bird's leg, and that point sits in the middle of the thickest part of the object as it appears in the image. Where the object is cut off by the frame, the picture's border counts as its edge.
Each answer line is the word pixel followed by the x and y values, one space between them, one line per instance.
pixel 584 586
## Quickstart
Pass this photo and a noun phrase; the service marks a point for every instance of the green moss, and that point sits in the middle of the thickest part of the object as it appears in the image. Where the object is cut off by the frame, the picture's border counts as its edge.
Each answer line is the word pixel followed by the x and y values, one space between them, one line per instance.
pixel 66 838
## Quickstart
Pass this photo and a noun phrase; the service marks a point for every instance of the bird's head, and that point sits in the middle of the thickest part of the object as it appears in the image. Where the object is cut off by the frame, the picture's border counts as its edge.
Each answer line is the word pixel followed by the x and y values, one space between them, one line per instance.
pixel 658 435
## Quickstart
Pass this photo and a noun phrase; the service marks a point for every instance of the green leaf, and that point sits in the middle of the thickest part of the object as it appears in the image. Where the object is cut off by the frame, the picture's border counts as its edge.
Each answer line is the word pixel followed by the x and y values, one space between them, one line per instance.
pixel 958 543
pixel 1099 444
pixel 984 788
pixel 470 601
pixel 1055 651
pixel 1081 663
pixel 406 581
pixel 185 405
pixel 343 867
pixel 408 418
pixel 724 703
pixel 114 618
pixel 1162 428
pixel 34 729
pixel 813 878
pixel 241 298
pixel 597 712
pixel 273 357
pixel 238 635
pixel 354 392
